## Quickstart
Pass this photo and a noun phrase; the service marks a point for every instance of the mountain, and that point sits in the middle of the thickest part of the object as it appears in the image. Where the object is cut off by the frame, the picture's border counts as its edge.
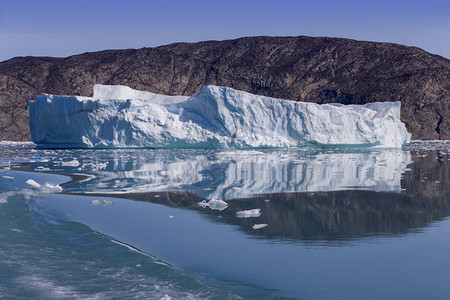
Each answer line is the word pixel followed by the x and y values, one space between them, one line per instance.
pixel 311 69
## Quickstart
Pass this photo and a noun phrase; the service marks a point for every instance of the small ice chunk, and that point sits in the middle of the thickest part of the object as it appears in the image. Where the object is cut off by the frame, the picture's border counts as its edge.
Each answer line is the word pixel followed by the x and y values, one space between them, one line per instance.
pixel 8 177
pixel 106 202
pixel 95 202
pixel 171 217
pixel 101 166
pixel 72 163
pixel 252 213
pixel 217 204
pixel 259 226
pixel 214 204
pixel 203 204
pixel 50 188
pixel 33 183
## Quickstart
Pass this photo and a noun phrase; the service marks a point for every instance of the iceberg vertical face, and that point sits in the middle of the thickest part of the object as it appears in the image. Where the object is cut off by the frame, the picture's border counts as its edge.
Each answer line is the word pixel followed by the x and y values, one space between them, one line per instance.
pixel 216 117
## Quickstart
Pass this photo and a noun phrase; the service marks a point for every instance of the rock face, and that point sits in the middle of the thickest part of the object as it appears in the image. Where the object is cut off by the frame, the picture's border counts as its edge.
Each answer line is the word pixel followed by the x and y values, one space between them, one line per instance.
pixel 321 70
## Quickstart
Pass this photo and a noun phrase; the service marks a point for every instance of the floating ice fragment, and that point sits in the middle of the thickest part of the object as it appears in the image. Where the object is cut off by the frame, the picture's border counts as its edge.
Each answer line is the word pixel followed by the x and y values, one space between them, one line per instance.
pixel 252 213
pixel 217 204
pixel 203 204
pixel 95 202
pixel 101 166
pixel 214 204
pixel 33 183
pixel 49 188
pixel 8 177
pixel 259 226
pixel 171 217
pixel 107 202
pixel 72 163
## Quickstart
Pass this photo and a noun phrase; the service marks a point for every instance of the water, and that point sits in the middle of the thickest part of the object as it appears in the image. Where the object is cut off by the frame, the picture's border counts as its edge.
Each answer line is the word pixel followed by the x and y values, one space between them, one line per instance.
pixel 322 224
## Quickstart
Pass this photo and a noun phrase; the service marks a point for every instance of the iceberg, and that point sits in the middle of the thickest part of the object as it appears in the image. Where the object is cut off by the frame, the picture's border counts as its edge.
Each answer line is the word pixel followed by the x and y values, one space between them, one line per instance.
pixel 215 117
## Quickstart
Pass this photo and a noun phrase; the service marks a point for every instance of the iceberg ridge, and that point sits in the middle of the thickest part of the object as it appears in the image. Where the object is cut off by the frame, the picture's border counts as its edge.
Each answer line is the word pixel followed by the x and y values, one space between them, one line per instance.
pixel 216 117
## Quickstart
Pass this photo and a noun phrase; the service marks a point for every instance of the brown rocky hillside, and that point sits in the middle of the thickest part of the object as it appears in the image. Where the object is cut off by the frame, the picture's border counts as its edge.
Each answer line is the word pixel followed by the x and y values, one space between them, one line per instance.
pixel 298 68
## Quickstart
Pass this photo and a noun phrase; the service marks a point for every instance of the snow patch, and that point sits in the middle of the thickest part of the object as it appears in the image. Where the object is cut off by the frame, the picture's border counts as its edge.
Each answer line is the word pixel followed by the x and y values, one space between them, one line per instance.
pixel 124 93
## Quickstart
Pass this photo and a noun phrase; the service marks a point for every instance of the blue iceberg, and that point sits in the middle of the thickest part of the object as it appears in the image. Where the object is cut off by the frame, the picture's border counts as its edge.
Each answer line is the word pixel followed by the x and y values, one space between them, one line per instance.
pixel 215 117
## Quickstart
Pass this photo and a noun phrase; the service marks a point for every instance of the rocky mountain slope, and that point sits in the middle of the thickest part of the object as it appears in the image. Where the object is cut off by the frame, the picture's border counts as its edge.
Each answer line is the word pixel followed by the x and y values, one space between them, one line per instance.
pixel 301 68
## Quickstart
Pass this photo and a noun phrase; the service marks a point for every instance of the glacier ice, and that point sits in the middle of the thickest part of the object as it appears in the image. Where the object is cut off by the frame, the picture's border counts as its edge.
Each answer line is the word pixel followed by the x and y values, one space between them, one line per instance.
pixel 215 117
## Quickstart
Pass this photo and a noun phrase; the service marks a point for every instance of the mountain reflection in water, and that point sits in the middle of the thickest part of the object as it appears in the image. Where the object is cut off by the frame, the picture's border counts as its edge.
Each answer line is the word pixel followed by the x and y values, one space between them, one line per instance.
pixel 331 196
pixel 308 223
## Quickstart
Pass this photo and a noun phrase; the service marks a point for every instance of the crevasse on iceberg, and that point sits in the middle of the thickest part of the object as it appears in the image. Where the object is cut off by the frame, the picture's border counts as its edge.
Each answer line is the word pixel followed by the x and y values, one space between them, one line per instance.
pixel 218 117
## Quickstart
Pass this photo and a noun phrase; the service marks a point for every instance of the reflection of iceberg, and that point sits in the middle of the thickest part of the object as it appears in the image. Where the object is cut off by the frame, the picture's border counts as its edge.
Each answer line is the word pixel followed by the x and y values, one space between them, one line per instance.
pixel 228 174
pixel 215 117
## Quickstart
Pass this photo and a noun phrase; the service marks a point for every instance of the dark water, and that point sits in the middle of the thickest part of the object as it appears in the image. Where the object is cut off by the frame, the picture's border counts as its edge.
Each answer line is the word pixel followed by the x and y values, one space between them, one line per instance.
pixel 347 224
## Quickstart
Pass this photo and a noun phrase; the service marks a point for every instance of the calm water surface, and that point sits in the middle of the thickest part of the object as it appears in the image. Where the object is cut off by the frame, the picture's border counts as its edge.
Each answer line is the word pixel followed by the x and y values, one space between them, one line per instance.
pixel 302 224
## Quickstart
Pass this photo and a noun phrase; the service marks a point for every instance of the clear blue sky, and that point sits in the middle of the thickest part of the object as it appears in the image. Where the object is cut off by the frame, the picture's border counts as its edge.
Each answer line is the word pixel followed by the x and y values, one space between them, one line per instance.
pixel 61 28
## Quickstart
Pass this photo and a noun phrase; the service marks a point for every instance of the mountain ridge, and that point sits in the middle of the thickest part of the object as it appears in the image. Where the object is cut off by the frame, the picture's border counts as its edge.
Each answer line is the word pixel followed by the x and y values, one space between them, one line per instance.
pixel 310 69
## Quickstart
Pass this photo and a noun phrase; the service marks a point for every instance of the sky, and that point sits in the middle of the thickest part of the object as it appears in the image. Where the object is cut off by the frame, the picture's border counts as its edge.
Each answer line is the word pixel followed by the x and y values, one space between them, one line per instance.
pixel 61 28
